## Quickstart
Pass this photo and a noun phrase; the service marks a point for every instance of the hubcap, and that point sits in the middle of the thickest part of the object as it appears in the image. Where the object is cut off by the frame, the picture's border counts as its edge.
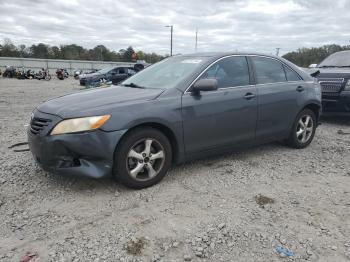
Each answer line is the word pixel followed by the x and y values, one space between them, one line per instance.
pixel 304 129
pixel 145 159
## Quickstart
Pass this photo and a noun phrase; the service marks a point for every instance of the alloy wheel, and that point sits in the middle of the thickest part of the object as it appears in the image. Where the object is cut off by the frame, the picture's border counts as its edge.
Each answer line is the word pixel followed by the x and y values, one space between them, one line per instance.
pixel 305 128
pixel 145 159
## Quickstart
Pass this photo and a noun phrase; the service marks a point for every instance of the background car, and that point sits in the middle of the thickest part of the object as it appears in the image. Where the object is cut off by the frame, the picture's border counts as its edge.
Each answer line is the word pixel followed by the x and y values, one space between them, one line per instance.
pixel 113 74
pixel 334 78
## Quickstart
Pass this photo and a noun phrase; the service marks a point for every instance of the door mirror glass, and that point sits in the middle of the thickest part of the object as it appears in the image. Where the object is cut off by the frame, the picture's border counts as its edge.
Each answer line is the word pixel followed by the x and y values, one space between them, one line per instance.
pixel 205 85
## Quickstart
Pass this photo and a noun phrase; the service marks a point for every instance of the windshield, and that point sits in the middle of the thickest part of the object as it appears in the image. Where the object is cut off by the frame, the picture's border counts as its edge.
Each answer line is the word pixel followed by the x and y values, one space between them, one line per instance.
pixel 165 74
pixel 339 59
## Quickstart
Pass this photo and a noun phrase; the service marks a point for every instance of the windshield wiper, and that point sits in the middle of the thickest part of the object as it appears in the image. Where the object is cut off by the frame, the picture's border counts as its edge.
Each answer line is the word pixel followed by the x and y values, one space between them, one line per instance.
pixel 333 66
pixel 133 85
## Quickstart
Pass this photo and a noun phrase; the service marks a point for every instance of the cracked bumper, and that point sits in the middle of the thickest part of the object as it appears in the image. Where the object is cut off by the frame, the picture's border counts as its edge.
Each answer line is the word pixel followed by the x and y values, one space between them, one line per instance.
pixel 82 154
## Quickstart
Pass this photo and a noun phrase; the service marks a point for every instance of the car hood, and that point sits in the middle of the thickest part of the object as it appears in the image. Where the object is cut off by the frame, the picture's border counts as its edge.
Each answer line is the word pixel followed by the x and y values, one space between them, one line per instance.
pixel 96 101
pixel 90 75
pixel 343 72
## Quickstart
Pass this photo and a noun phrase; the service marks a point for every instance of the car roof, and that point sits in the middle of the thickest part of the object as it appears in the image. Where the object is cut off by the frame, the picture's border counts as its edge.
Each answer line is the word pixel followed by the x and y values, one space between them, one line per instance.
pixel 212 56
pixel 222 54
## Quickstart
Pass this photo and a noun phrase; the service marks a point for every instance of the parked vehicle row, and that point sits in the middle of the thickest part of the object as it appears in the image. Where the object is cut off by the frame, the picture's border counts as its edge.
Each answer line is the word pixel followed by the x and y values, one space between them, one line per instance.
pixel 113 75
pixel 22 73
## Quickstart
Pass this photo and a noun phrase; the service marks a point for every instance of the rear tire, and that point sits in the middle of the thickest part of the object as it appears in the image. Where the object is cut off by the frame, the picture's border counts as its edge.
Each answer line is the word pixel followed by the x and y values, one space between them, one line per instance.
pixel 303 130
pixel 142 158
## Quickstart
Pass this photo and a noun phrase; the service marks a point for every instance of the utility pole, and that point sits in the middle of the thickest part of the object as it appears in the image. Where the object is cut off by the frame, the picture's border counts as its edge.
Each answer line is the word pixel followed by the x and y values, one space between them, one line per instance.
pixel 171 38
pixel 196 39
pixel 277 51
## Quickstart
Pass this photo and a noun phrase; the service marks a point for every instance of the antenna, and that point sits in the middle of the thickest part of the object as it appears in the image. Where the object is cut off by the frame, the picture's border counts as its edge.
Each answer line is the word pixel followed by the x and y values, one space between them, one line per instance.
pixel 277 51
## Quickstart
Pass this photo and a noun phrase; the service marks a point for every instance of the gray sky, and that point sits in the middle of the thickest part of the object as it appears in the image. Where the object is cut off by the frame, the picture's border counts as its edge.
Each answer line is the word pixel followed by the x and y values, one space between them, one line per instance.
pixel 224 25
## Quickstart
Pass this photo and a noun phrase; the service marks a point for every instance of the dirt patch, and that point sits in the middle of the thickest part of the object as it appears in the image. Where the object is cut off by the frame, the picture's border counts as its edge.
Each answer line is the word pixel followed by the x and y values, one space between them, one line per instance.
pixel 135 246
pixel 263 200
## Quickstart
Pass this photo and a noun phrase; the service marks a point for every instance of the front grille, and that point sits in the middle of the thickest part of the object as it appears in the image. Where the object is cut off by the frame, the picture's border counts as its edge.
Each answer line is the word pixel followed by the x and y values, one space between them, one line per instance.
pixel 38 124
pixel 331 85
pixel 333 94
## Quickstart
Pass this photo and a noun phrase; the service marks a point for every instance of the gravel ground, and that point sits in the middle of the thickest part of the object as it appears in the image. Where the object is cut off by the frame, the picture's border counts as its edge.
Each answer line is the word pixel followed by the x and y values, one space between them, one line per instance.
pixel 236 207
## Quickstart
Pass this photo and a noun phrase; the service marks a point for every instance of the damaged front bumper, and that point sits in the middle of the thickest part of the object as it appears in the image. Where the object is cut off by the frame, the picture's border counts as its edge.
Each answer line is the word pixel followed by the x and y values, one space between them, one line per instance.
pixel 81 154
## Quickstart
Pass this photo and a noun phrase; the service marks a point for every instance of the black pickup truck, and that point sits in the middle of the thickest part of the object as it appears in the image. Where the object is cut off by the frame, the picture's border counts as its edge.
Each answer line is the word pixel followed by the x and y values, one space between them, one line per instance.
pixel 334 77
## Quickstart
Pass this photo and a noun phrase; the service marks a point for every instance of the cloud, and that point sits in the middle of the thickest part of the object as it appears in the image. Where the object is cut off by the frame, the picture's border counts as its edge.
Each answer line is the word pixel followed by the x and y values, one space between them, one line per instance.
pixel 223 25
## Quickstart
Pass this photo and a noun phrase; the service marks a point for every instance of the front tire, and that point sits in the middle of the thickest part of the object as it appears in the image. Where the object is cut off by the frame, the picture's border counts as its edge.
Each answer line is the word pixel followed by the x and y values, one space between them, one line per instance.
pixel 142 158
pixel 303 130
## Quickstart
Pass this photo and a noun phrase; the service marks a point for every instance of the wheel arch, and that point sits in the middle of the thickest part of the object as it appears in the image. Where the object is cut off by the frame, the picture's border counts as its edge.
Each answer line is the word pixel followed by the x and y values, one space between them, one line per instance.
pixel 316 108
pixel 166 130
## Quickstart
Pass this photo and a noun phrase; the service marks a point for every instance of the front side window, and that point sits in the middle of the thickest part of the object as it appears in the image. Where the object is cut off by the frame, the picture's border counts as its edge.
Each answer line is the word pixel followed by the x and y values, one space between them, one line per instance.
pixel 229 72
pixel 268 70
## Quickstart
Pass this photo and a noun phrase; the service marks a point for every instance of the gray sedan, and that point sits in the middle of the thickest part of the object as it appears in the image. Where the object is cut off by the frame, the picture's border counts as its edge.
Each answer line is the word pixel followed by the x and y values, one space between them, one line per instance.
pixel 182 108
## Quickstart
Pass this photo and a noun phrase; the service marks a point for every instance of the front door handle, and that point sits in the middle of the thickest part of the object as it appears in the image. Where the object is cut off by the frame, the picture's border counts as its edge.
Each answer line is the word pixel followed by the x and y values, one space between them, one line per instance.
pixel 249 96
pixel 300 88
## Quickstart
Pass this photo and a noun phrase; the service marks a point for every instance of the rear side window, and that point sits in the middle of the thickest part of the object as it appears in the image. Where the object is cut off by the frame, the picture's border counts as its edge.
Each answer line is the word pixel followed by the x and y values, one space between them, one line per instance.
pixel 291 75
pixel 268 70
pixel 229 72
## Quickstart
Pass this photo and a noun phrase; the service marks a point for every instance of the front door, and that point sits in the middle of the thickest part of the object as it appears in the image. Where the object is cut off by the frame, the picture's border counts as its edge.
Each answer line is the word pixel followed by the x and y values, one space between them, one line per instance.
pixel 223 117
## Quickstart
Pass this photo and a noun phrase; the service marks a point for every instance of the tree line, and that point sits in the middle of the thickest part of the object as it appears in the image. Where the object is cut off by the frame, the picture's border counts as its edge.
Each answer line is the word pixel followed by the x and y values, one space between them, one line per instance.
pixel 305 56
pixel 302 57
pixel 75 52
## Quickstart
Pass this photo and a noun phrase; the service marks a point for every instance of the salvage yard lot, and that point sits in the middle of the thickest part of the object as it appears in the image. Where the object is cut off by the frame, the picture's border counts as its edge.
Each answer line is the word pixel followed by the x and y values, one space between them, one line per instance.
pixel 236 207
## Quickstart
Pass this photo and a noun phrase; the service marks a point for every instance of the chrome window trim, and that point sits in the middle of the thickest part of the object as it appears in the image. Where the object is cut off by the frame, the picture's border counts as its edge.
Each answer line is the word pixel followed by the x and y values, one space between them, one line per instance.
pixel 222 89
pixel 219 59
pixel 288 82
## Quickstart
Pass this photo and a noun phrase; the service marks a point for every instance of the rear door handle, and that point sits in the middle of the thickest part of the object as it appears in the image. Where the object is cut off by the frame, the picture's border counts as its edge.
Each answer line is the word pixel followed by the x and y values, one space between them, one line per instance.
pixel 300 88
pixel 249 96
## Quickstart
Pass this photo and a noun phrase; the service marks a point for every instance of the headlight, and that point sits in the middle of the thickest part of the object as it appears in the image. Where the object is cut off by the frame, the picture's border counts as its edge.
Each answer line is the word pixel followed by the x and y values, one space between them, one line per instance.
pixel 347 86
pixel 79 124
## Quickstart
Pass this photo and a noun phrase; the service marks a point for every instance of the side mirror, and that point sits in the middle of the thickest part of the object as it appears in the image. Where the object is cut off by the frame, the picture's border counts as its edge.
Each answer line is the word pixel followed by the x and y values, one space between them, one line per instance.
pixel 205 85
pixel 315 74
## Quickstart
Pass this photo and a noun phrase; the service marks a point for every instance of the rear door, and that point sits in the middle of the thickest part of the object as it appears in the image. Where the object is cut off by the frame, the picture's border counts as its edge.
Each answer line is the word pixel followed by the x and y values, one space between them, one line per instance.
pixel 223 117
pixel 280 90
